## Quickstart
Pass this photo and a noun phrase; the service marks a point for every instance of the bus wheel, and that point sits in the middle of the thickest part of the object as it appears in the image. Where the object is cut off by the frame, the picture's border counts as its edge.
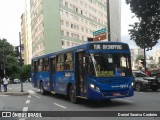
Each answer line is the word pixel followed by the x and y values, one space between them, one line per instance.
pixel 72 94
pixel 42 91
pixel 138 87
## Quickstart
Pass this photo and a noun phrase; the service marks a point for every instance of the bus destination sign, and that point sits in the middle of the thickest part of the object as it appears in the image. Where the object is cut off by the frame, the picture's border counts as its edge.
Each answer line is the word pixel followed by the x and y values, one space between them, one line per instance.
pixel 104 46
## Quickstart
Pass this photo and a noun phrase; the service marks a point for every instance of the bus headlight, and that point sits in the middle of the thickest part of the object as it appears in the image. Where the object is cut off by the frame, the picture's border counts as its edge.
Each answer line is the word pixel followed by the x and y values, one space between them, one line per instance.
pixel 92 86
pixel 132 84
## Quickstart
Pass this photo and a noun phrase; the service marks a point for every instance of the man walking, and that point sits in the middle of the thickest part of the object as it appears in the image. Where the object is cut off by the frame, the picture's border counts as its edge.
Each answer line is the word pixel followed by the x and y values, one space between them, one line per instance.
pixel 5 83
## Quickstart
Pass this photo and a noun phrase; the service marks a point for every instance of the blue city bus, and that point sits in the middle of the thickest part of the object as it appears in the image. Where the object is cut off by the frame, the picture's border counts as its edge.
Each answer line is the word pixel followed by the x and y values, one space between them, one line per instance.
pixel 94 70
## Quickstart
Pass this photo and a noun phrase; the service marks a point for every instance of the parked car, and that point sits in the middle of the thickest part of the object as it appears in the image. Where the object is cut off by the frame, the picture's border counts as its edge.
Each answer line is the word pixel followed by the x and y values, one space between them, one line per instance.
pixel 142 82
pixel 16 81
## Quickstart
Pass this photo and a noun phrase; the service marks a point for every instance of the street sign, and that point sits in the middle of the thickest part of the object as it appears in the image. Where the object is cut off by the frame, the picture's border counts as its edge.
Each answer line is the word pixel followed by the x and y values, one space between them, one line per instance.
pixel 98 32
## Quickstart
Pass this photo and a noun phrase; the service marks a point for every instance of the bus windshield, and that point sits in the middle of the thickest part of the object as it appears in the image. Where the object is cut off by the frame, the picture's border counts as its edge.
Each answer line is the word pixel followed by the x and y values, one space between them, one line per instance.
pixel 110 65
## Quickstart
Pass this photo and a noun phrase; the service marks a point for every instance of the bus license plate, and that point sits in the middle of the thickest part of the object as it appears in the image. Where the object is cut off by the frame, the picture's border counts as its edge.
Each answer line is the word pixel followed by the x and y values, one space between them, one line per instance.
pixel 116 94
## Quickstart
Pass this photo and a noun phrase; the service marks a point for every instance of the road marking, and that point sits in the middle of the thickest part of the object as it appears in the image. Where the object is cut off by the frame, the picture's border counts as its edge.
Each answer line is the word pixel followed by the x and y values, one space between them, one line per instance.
pixel 31 92
pixel 22 119
pixel 25 109
pixel 125 100
pixel 29 96
pixel 60 105
pixel 36 96
pixel 4 95
pixel 27 101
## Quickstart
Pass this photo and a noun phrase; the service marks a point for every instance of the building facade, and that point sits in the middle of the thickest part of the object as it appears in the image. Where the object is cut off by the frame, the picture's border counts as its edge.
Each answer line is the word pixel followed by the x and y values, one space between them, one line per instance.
pixel 134 55
pixel 28 32
pixel 23 38
pixel 115 19
pixel 59 24
pixel 156 57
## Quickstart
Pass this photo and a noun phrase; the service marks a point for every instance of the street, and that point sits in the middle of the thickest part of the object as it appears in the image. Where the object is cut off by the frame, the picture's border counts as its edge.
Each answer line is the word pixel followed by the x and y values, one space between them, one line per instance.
pixel 141 101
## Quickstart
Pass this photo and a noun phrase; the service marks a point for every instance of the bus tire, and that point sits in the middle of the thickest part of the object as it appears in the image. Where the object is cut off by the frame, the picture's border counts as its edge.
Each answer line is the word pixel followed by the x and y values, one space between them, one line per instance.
pixel 72 94
pixel 42 91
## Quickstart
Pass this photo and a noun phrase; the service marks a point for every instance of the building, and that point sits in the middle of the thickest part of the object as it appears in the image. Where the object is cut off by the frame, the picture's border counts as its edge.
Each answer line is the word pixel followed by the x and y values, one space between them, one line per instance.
pixel 26 40
pixel 115 19
pixel 134 55
pixel 59 24
pixel 156 57
pixel 28 32
pixel 23 38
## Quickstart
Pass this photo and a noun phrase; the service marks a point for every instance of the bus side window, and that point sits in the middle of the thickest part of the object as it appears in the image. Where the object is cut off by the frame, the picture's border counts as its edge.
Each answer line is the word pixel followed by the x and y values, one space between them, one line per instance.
pixel 46 64
pixel 40 65
pixel 60 63
pixel 68 62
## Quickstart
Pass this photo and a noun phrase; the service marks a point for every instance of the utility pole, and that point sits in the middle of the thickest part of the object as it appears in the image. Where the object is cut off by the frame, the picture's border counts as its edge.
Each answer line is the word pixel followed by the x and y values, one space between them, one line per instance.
pixel 20 52
pixel 4 59
pixel 108 21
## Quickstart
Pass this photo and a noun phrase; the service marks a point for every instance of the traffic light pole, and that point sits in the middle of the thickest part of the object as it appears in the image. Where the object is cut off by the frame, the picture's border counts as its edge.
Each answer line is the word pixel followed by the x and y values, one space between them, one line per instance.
pixel 20 62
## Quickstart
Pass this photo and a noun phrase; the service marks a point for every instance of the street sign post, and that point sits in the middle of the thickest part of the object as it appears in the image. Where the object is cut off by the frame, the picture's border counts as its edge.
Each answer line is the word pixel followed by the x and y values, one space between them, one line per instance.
pixel 99 34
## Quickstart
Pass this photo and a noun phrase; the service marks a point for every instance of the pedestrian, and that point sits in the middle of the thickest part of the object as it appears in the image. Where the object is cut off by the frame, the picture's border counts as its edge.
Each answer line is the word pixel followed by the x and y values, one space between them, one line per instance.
pixel 147 72
pixel 5 83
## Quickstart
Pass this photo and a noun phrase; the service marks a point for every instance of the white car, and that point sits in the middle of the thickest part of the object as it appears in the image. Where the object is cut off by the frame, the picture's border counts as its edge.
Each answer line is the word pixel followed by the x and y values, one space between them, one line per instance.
pixel 16 81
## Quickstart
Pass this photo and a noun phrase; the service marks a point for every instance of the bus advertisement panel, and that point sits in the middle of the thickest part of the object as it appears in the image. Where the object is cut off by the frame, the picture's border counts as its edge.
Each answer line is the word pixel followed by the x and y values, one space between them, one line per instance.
pixel 96 71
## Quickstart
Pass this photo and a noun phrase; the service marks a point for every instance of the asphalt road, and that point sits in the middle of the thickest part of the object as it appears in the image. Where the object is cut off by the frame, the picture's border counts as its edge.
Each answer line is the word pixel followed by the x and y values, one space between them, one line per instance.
pixel 141 101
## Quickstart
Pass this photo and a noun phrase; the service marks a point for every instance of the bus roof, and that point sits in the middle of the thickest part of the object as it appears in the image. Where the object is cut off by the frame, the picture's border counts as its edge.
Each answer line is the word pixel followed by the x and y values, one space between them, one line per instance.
pixel 82 46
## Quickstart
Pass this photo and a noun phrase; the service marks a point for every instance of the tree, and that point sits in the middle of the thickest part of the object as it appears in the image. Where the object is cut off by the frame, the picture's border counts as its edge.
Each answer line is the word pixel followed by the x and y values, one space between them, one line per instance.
pixel 146 32
pixel 139 58
pixel 26 73
pixel 8 60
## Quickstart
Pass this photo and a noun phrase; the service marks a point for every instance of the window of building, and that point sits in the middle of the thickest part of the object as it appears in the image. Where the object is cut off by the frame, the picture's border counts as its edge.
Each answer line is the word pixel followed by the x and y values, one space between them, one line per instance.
pixel 67 24
pixel 67 34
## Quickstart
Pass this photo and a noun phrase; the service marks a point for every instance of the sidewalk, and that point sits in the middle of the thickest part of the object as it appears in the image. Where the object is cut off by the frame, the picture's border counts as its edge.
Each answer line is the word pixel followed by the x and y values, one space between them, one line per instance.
pixel 13 92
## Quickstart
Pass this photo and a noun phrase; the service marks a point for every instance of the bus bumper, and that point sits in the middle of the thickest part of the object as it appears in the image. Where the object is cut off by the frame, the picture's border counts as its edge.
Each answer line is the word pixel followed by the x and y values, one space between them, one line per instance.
pixel 102 95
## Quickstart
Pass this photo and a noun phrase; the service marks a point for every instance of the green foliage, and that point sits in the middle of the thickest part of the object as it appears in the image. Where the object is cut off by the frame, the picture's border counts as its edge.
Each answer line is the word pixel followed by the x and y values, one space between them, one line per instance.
pixel 139 57
pixel 145 33
pixel 26 73
pixel 8 57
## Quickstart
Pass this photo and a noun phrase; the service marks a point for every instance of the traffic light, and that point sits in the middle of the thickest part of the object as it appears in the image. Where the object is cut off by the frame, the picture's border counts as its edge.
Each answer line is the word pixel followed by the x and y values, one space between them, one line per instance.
pixel 16 49
pixel 142 61
pixel 21 61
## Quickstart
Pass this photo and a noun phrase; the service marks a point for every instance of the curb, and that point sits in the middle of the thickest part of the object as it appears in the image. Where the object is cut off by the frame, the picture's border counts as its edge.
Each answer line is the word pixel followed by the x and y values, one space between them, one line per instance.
pixel 14 93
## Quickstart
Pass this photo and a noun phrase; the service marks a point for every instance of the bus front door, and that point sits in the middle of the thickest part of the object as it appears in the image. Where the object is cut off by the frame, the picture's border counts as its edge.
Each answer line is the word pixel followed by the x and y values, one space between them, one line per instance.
pixel 35 64
pixel 80 74
pixel 52 73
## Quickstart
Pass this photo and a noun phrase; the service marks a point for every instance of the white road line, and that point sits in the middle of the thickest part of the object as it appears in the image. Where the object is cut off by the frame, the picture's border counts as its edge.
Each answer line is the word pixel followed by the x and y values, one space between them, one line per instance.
pixel 25 109
pixel 4 95
pixel 31 92
pixel 125 100
pixel 29 96
pixel 36 96
pixel 22 119
pixel 60 105
pixel 27 101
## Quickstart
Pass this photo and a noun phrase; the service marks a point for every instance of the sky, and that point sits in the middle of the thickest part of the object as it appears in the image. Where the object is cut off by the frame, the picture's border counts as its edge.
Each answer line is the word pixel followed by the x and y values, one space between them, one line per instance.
pixel 10 21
